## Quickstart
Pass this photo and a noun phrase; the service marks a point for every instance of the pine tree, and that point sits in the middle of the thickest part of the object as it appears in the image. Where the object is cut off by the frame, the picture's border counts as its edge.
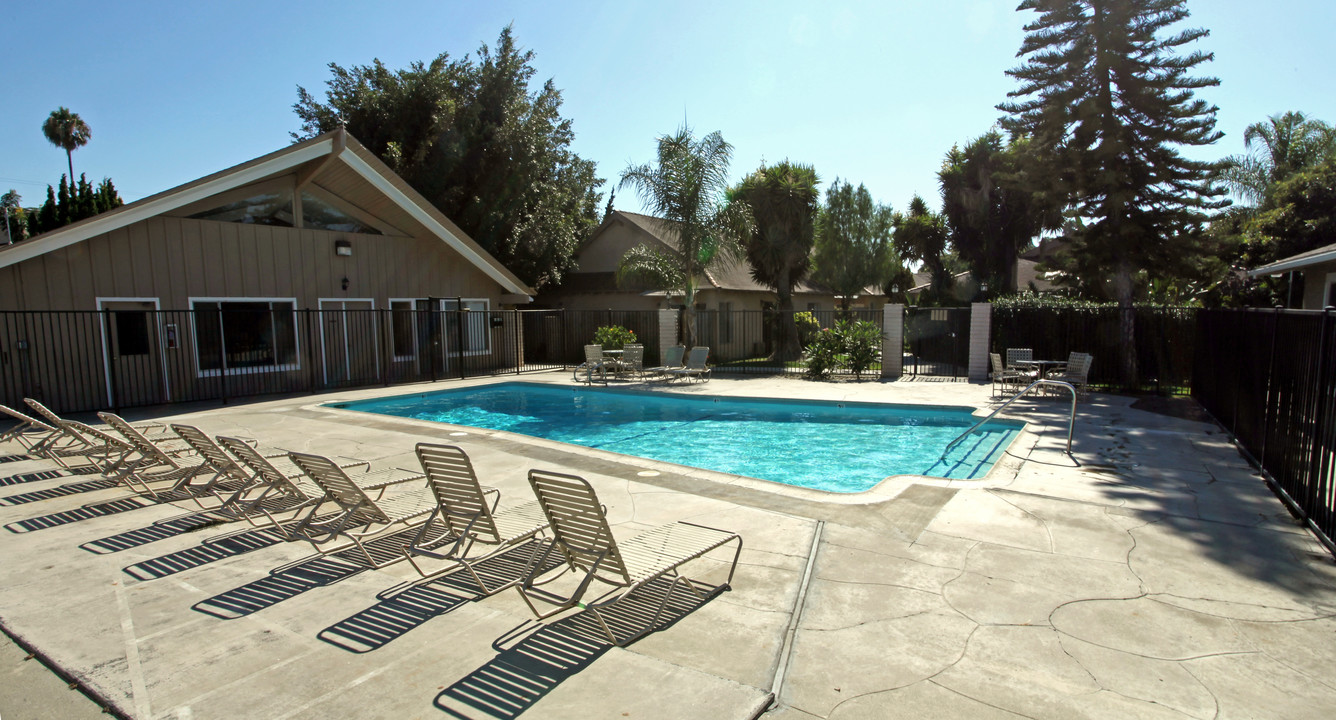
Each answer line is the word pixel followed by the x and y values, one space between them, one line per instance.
pixel 64 205
pixel 1107 99
pixel 106 196
pixel 84 205
pixel 48 218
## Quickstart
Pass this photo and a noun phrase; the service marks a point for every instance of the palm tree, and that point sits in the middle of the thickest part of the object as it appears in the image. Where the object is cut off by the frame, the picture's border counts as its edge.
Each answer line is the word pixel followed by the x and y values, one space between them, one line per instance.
pixel 687 188
pixel 67 130
pixel 1277 149
pixel 783 202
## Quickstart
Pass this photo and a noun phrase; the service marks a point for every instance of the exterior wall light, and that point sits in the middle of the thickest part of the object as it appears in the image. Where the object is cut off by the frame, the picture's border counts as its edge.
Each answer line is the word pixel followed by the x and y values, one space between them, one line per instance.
pixel 343 248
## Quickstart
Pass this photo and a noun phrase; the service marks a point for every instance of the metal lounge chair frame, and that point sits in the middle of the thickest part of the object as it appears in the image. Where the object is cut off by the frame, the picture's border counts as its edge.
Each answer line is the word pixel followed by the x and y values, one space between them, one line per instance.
pixel 108 454
pixel 672 360
pixel 468 518
pixel 272 491
pixel 231 481
pixel 26 427
pixel 156 465
pixel 360 519
pixel 695 367
pixel 580 532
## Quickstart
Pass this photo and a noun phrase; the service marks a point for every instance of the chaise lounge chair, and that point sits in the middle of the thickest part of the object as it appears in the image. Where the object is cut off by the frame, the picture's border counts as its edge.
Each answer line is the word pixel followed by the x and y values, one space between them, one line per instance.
pixel 273 492
pixel 462 508
pixel 360 519
pixel 580 532
pixel 171 464
pixel 34 435
pixel 695 367
pixel 672 360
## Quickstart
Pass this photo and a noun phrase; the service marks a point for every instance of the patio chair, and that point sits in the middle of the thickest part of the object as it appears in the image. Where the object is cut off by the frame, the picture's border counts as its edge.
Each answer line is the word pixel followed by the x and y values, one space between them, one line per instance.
pixel 152 430
pixel 1008 381
pixel 231 480
pixel 462 508
pixel 580 532
pixel 695 367
pixel 31 433
pixel 594 362
pixel 672 360
pixel 633 361
pixel 1077 372
pixel 1018 359
pixel 105 453
pixel 273 493
pixel 170 463
pixel 360 519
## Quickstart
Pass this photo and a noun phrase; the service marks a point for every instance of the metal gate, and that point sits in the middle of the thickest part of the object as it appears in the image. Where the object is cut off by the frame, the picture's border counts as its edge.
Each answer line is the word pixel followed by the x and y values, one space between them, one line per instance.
pixel 937 342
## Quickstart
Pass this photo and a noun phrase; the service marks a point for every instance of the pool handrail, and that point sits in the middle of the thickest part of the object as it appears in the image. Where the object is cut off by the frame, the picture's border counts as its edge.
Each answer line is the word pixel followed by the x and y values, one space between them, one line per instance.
pixel 1071 423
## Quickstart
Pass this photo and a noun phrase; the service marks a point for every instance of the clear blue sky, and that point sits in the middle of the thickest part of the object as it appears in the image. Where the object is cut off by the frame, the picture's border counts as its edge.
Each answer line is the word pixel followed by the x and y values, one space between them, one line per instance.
pixel 872 92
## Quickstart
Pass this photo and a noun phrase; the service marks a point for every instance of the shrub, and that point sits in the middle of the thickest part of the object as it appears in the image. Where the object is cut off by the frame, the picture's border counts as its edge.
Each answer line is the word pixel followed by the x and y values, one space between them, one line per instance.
pixel 614 337
pixel 862 344
pixel 808 327
pixel 823 353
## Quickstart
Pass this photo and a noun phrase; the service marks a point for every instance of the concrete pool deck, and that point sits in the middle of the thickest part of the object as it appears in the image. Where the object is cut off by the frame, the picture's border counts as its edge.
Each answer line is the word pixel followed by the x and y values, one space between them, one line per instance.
pixel 1152 574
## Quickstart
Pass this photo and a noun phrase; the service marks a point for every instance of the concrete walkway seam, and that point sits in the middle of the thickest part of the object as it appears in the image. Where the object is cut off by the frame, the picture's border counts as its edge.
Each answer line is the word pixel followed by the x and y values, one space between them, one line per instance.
pixel 796 616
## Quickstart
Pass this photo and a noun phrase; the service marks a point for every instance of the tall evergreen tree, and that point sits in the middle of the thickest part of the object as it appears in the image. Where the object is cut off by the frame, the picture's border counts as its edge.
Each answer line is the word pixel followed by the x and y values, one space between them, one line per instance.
pixel 48 218
pixel 853 241
pixel 1106 95
pixel 64 204
pixel 482 146
pixel 783 202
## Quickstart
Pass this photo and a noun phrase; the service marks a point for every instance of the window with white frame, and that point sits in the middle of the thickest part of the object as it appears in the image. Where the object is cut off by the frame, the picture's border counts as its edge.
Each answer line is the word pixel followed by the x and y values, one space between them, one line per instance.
pixel 477 339
pixel 251 335
pixel 403 329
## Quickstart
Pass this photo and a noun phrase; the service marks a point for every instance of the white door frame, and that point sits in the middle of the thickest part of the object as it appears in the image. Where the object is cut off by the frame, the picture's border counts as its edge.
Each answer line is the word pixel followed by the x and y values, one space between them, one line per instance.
pixel 106 342
pixel 347 356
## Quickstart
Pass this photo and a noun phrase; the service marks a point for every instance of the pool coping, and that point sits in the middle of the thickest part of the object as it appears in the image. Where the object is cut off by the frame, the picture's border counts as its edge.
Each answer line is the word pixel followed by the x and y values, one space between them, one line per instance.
pixel 1003 469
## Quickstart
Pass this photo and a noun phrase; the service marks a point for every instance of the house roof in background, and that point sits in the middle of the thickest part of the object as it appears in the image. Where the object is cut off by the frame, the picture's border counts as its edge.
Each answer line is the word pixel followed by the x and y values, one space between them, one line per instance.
pixel 332 146
pixel 1316 256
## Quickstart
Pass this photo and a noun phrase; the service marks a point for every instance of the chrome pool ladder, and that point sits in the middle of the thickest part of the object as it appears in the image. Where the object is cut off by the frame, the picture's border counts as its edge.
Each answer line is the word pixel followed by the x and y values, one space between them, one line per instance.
pixel 1071 422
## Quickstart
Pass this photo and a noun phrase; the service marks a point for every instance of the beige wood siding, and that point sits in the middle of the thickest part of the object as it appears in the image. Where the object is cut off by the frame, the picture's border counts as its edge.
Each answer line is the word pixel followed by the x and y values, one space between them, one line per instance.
pixel 174 259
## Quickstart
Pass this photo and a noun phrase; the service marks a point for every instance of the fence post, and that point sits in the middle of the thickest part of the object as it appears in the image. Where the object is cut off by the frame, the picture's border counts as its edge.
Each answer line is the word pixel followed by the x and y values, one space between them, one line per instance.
pixel 892 340
pixel 461 315
pixel 112 400
pixel 222 356
pixel 981 323
pixel 667 331
pixel 1319 425
pixel 1266 402
pixel 519 340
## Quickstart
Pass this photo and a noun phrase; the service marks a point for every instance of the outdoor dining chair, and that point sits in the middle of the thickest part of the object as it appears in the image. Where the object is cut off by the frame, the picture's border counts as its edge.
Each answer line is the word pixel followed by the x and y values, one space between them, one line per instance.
pixel 594 362
pixel 467 518
pixel 580 533
pixel 1006 380
pixel 1018 359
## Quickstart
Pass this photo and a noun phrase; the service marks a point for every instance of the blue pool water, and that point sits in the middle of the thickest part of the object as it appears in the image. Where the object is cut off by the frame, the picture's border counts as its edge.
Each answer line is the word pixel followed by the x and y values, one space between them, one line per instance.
pixel 840 447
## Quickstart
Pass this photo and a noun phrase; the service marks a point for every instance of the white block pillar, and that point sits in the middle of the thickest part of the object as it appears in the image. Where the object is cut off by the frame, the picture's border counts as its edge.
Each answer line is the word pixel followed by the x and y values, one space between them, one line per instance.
pixel 667 331
pixel 892 340
pixel 981 325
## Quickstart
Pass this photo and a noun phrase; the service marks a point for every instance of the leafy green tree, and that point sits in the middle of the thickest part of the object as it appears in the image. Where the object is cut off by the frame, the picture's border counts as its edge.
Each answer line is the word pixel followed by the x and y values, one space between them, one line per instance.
pixel 921 235
pixel 16 218
pixel 477 142
pixel 48 217
pixel 989 208
pixel 1277 149
pixel 853 243
pixel 68 131
pixel 1300 215
pixel 783 203
pixel 1107 98
pixel 687 186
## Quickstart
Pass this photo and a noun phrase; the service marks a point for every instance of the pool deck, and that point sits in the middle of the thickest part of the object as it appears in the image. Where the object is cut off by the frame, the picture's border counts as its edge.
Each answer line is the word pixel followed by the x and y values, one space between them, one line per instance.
pixel 1151 574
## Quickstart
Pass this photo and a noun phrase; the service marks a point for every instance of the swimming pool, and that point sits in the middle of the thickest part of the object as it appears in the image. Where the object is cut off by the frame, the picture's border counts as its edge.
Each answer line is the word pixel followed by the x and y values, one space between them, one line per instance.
pixel 840 447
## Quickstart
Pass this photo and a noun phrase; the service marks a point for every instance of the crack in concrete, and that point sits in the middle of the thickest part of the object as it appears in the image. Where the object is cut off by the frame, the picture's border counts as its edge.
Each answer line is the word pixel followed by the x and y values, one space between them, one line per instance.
pixel 808 628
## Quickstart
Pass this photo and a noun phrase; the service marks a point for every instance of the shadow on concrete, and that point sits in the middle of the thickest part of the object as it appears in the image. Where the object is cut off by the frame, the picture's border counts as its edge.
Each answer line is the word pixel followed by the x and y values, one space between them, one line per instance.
pixel 43 475
pixel 58 491
pixel 279 585
pixel 228 546
pixel 518 677
pixel 160 530
pixel 13 458
pixel 402 610
pixel 87 512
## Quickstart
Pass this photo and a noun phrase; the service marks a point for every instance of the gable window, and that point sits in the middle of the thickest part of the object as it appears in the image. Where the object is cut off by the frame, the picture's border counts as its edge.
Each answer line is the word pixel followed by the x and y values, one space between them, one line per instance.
pixel 321 215
pixel 251 336
pixel 266 208
pixel 477 340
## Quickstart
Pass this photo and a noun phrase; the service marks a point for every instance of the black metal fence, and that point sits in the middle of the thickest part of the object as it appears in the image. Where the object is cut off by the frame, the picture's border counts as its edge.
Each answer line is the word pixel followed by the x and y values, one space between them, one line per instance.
pixel 81 361
pixel 1164 337
pixel 744 341
pixel 1269 376
pixel 937 341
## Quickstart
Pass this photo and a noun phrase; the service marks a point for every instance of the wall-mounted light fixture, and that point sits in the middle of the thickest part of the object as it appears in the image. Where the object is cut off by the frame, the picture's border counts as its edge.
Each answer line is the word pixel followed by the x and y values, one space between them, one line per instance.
pixel 345 284
pixel 343 248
